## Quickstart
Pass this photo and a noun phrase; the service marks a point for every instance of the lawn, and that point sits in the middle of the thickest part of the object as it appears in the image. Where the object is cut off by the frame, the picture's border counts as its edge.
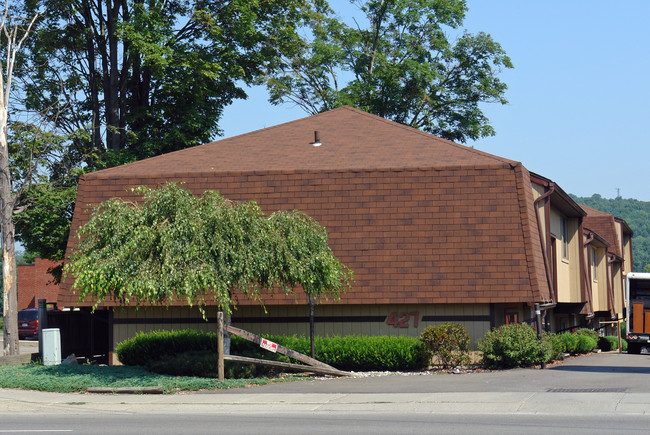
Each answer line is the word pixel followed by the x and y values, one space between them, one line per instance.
pixel 77 378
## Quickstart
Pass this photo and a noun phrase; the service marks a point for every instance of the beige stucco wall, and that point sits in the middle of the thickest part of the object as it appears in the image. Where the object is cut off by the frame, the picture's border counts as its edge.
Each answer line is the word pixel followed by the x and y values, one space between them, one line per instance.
pixel 599 283
pixel 568 268
pixel 617 285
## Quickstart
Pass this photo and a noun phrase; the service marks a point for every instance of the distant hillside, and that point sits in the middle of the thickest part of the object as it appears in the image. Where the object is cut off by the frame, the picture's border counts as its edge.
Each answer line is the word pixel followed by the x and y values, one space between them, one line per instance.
pixel 636 214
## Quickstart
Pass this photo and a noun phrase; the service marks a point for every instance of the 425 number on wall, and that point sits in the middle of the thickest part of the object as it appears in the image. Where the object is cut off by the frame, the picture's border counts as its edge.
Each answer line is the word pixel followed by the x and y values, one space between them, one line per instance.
pixel 403 319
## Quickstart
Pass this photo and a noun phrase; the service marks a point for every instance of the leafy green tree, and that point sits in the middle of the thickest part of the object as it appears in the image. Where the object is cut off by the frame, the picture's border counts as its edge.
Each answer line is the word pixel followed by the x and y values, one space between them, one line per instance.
pixel 175 246
pixel 148 77
pixel 123 80
pixel 637 215
pixel 401 66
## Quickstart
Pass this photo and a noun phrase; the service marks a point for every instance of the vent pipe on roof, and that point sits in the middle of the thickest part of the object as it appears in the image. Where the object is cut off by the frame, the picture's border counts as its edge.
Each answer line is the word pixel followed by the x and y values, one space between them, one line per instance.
pixel 316 141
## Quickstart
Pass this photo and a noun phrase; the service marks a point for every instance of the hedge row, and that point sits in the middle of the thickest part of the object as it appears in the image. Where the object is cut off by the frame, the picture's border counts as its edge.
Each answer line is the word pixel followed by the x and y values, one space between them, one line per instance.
pixel 170 351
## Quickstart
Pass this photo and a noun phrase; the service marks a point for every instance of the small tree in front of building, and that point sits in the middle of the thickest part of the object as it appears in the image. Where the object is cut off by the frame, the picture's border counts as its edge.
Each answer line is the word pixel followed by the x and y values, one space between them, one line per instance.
pixel 175 246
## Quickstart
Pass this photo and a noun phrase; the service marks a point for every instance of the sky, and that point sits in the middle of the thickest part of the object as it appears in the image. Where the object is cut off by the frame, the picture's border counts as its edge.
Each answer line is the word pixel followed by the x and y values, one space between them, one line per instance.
pixel 579 93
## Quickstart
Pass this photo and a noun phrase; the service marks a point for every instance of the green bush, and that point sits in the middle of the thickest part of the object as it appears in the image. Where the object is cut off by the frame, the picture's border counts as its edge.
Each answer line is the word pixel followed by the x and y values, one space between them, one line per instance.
pixel 554 346
pixel 514 345
pixel 605 344
pixel 585 343
pixel 570 341
pixel 449 343
pixel 610 342
pixel 169 349
pixel 589 333
pixel 152 346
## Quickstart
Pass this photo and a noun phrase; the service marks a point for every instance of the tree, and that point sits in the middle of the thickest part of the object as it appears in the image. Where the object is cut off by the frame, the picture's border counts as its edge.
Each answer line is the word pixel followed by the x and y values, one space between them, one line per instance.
pixel 402 67
pixel 175 246
pixel 148 77
pixel 124 80
pixel 13 33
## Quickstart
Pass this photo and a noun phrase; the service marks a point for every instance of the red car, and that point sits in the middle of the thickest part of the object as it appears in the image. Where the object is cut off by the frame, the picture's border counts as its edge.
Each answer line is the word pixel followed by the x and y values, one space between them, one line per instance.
pixel 28 323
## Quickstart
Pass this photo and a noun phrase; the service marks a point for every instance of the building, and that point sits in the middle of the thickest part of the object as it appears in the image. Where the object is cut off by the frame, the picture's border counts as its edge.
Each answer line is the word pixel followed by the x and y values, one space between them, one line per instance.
pixel 434 231
pixel 35 282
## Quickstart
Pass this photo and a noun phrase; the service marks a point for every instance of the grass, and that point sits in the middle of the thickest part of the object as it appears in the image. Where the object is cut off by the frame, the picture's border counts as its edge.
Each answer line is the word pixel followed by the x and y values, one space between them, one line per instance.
pixel 77 378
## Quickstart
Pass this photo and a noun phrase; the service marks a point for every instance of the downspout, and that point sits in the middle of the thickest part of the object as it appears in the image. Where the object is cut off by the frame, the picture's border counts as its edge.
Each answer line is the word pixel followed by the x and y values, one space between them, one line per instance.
pixel 587 275
pixel 543 242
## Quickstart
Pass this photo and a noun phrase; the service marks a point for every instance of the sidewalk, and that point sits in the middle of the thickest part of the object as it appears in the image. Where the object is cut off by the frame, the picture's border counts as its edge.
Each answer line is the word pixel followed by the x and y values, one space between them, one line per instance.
pixel 17 401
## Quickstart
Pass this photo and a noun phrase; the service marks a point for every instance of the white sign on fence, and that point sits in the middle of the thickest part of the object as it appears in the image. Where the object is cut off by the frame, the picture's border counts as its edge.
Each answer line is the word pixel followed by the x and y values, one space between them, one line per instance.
pixel 269 345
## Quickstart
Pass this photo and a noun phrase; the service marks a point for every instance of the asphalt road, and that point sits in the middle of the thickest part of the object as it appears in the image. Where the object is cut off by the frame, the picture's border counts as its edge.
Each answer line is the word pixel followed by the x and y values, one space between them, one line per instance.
pixel 606 371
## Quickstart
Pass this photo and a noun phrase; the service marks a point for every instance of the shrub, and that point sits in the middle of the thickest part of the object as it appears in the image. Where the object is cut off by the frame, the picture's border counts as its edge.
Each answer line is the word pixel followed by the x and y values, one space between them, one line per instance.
pixel 164 349
pixel 554 346
pixel 514 345
pixel 152 346
pixel 585 343
pixel 589 333
pixel 449 343
pixel 605 344
pixel 570 341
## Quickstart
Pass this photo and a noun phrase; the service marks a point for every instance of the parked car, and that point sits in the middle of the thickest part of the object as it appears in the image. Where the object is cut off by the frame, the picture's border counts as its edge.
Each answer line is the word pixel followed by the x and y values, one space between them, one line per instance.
pixel 28 323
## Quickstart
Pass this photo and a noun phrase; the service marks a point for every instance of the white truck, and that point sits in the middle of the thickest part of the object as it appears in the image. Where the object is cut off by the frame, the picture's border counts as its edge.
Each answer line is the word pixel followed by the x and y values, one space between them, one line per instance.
pixel 637 297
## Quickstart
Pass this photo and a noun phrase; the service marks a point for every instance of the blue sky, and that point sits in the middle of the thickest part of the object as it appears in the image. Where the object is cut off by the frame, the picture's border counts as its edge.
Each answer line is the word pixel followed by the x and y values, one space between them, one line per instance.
pixel 579 94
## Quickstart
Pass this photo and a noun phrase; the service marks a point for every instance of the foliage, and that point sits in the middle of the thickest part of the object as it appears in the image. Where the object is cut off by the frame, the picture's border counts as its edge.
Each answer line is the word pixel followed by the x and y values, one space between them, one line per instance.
pixel 570 341
pixel 609 343
pixel 77 378
pixel 554 346
pixel 514 345
pixel 146 78
pixel 402 66
pixel 637 215
pixel 176 245
pixel 582 341
pixel 449 343
pixel 589 333
pixel 121 82
pixel 585 344
pixel 345 353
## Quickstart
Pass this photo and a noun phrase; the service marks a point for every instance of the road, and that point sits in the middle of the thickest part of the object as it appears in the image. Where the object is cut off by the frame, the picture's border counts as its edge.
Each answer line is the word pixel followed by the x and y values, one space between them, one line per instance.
pixel 593 394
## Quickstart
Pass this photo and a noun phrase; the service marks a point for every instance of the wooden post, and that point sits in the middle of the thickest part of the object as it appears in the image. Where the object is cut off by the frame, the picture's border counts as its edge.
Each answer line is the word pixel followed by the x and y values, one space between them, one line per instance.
pixel 220 368
pixel 620 345
pixel 311 325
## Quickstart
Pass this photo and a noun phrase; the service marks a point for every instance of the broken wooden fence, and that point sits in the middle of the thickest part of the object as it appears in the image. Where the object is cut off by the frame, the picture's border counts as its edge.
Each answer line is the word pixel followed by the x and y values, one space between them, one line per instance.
pixel 312 365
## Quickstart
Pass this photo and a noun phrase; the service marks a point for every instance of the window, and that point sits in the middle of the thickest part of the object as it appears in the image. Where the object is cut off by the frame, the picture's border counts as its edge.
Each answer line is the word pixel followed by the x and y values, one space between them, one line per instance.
pixel 511 318
pixel 565 239
pixel 594 264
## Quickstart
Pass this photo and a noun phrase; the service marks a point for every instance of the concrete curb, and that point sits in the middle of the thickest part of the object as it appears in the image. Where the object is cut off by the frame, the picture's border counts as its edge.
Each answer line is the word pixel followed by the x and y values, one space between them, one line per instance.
pixel 125 390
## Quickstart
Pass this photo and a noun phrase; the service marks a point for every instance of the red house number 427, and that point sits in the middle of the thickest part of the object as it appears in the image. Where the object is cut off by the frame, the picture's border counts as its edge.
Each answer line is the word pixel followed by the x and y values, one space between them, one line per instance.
pixel 403 319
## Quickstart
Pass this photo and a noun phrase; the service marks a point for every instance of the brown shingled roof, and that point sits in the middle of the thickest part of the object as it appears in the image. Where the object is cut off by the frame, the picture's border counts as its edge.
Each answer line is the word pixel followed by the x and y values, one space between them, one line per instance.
pixel 351 139
pixel 604 225
pixel 418 218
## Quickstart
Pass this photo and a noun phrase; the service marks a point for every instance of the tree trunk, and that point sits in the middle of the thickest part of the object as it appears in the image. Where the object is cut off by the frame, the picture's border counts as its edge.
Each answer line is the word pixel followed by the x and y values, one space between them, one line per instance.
pixel 10 311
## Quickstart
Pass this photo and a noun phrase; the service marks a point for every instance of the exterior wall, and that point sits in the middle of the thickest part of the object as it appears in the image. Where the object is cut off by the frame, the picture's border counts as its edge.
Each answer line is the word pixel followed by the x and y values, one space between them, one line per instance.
pixel 627 254
pixel 618 288
pixel 567 267
pixel 391 320
pixel 34 283
pixel 599 280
